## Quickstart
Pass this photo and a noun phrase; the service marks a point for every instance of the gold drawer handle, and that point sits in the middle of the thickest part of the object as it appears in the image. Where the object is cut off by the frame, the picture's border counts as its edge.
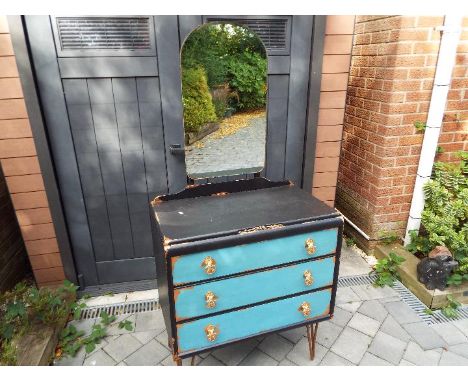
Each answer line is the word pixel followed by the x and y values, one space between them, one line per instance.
pixel 310 246
pixel 211 332
pixel 304 308
pixel 209 265
pixel 308 278
pixel 210 299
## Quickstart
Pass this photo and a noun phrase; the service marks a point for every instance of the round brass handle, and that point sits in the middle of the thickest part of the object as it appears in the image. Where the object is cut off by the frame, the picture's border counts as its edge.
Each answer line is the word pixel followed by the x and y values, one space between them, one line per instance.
pixel 211 332
pixel 310 246
pixel 210 299
pixel 304 308
pixel 308 278
pixel 209 265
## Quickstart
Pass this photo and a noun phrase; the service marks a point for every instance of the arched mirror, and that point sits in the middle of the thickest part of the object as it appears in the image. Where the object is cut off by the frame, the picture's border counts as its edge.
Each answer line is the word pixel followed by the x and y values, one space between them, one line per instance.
pixel 224 93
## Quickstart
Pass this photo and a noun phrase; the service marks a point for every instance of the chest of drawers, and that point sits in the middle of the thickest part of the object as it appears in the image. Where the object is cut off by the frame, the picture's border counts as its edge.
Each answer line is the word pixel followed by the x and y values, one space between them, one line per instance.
pixel 241 259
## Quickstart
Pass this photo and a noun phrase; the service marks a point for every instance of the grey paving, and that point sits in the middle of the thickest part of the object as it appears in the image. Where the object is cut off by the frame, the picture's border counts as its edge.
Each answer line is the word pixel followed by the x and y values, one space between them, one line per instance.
pixel 370 327
pixel 388 348
pixel 243 150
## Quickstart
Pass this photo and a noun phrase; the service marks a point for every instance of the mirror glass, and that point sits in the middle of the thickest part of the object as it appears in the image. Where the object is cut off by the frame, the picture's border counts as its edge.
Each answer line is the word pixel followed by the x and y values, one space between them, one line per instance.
pixel 224 93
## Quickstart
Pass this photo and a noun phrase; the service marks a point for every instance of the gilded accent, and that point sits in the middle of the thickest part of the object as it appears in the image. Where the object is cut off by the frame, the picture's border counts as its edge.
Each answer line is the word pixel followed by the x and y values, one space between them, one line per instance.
pixel 220 194
pixel 304 308
pixel 310 246
pixel 308 278
pixel 211 332
pixel 209 265
pixel 210 299
pixel 261 228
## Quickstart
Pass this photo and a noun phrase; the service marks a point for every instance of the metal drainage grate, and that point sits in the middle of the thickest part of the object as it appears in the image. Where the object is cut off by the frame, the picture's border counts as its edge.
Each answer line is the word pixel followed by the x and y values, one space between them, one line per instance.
pixel 347 281
pixel 408 297
pixel 120 308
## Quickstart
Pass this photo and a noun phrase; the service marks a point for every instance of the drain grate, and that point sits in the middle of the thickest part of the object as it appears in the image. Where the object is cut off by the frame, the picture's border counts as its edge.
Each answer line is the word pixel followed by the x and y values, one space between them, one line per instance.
pixel 347 281
pixel 118 309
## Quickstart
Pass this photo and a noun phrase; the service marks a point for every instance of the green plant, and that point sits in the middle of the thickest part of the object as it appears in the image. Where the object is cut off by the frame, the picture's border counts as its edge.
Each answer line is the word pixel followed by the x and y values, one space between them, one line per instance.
pixel 349 241
pixel 247 77
pixel 386 269
pixel 389 237
pixel 25 306
pixel 445 215
pixel 420 126
pixel 71 340
pixel 440 150
pixel 450 309
pixel 196 97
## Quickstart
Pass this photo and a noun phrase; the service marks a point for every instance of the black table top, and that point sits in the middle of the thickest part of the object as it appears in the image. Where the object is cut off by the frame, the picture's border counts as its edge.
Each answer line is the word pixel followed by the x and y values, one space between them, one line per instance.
pixel 232 206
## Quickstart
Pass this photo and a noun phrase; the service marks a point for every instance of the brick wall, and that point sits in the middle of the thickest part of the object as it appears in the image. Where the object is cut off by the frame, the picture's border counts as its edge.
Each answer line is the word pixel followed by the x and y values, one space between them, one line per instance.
pixel 335 69
pixel 390 83
pixel 20 165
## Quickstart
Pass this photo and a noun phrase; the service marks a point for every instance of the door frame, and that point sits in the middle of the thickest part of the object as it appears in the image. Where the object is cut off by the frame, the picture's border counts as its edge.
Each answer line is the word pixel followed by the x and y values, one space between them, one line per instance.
pixel 28 80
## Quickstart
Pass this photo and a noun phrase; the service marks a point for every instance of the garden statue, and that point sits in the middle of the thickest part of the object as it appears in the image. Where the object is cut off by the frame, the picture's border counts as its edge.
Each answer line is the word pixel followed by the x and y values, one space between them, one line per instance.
pixel 433 272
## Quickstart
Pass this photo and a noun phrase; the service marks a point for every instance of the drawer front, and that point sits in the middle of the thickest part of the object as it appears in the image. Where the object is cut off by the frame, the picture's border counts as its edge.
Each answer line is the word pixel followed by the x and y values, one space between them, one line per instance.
pixel 251 321
pixel 241 258
pixel 253 288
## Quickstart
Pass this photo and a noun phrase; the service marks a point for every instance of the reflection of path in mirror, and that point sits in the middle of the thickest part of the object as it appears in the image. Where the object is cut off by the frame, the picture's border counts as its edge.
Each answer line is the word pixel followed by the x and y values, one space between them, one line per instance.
pixel 232 154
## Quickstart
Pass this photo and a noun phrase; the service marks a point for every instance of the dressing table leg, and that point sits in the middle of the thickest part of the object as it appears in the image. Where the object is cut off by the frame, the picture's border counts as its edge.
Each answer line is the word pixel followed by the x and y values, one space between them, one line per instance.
pixel 311 337
pixel 192 362
pixel 179 362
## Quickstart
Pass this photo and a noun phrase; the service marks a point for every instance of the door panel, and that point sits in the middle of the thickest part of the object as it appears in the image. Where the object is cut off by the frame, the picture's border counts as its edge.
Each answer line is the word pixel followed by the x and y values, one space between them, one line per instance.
pixel 112 106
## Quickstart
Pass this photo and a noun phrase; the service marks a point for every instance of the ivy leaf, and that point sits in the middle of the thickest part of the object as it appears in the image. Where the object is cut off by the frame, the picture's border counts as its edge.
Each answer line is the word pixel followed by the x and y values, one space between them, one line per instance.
pixel 89 347
pixel 126 324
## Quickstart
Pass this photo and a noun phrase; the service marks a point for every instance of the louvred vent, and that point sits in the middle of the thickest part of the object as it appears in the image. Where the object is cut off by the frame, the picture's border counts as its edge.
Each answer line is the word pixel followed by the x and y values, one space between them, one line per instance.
pixel 96 33
pixel 272 31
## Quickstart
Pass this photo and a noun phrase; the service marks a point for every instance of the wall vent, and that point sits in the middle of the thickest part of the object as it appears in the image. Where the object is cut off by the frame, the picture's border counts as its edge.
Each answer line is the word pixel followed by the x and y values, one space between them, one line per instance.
pixel 273 31
pixel 110 35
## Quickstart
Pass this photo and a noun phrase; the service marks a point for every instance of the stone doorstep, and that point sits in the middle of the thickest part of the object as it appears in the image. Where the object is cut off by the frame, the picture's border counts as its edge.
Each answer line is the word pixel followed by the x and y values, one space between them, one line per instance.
pixel 434 299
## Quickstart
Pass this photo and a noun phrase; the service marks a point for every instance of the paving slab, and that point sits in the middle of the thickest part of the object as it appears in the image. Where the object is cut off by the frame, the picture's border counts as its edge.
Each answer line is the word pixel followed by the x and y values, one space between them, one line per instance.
pixel 452 359
pixel 370 359
pixel 351 345
pixel 450 333
pixel 300 354
pixel 364 324
pixel 417 356
pixel 401 312
pixel 148 355
pixel 122 347
pixel 258 358
pixel 388 348
pixel 286 362
pixel 351 306
pixel 233 354
pixel 460 349
pixel 100 358
pixel 77 360
pixel 345 295
pixel 341 317
pixel 369 292
pixel 332 359
pixel 211 361
pixel 392 327
pixel 276 346
pixel 373 309
pixel 294 335
pixel 150 321
pixel 462 325
pixel 146 336
pixel 327 333
pixel 424 335
pixel 404 362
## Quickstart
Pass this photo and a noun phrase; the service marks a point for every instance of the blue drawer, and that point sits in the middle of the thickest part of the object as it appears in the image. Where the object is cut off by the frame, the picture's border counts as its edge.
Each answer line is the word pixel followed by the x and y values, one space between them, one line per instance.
pixel 252 288
pixel 241 258
pixel 252 321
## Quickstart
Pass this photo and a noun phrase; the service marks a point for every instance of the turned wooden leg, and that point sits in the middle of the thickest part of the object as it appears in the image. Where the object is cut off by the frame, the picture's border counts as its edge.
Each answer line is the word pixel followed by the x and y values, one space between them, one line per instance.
pixel 311 337
pixel 192 362
pixel 179 362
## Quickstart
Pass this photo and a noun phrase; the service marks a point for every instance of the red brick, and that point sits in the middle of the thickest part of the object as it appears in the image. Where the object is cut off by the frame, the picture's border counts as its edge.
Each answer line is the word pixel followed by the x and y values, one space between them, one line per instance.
pixel 337 44
pixel 8 67
pixel 27 200
pixel 334 82
pixel 15 128
pixel 10 87
pixel 332 100
pixel 38 231
pixel 39 247
pixel 15 148
pixel 335 63
pixel 327 149
pixel 20 166
pixel 33 216
pixel 325 179
pixel 329 133
pixel 25 183
pixel 339 24
pixel 430 21
pixel 324 193
pixel 12 109
pixel 50 260
pixel 49 275
pixel 326 164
